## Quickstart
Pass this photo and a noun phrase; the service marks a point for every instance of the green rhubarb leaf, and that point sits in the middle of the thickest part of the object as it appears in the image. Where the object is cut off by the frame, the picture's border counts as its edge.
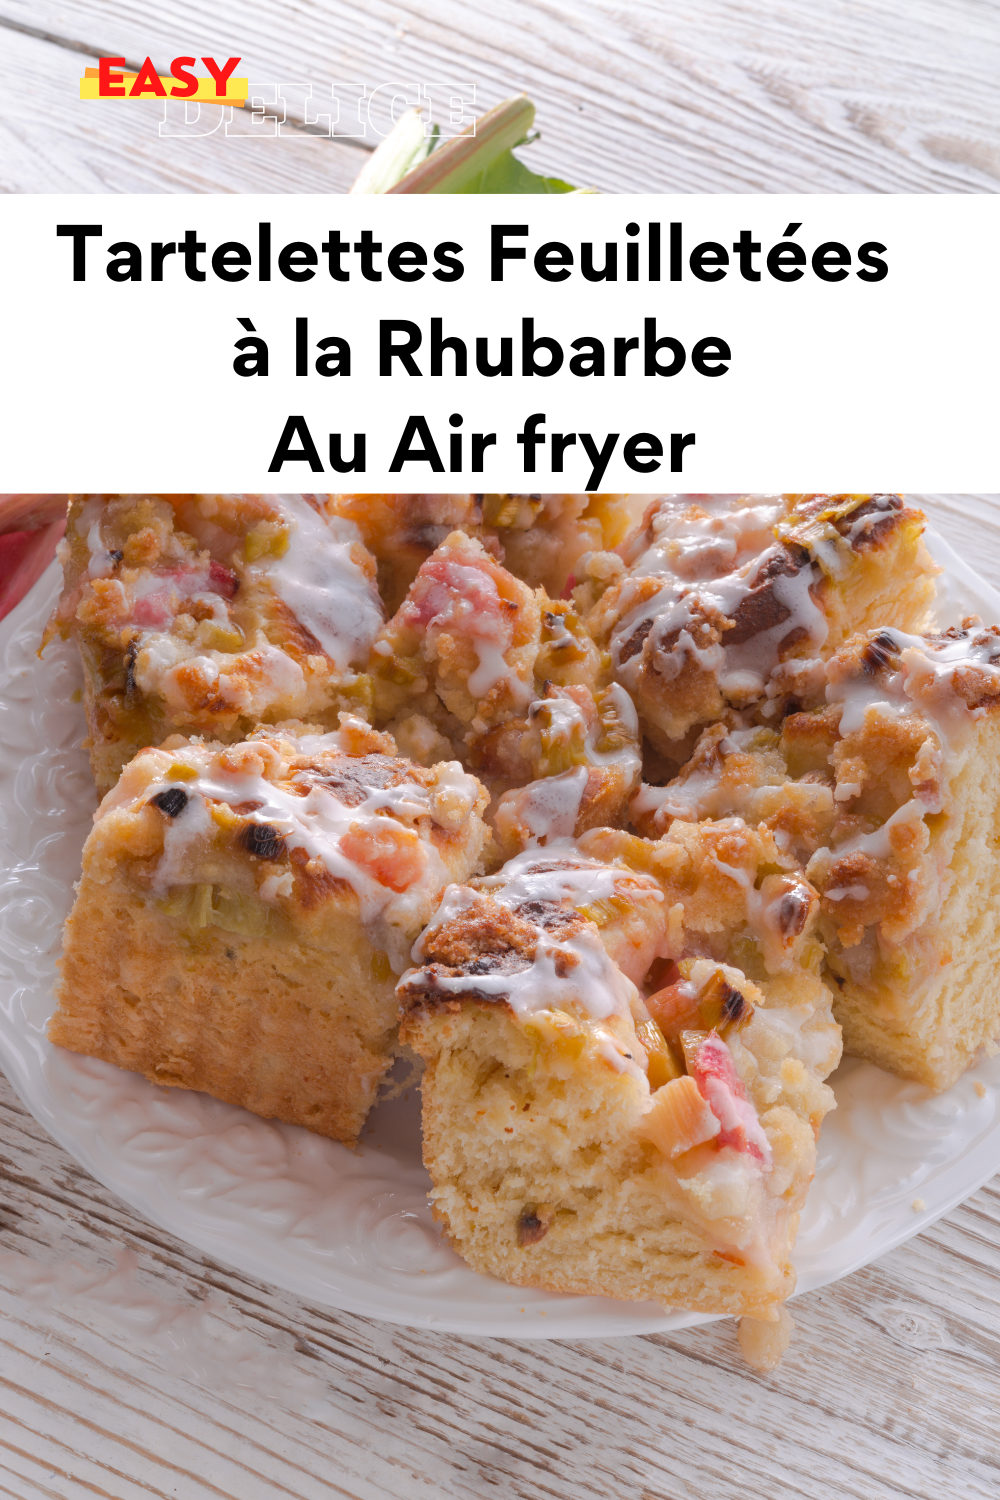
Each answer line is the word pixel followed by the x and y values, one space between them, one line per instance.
pixel 508 174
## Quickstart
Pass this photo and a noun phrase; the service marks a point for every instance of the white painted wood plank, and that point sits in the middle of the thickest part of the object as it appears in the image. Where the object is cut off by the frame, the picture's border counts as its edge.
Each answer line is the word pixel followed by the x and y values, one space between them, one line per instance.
pixel 722 95
pixel 890 1389
pixel 892 1385
pixel 53 143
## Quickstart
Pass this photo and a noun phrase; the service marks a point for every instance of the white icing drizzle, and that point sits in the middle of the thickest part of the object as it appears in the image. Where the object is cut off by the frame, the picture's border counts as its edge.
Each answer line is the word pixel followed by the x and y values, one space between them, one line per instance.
pixel 100 558
pixel 628 717
pixel 923 686
pixel 671 610
pixel 316 823
pixel 317 578
pixel 882 503
pixel 877 845
pixel 710 554
pixel 613 1052
pixel 567 721
pixel 721 1087
pixel 696 797
pixel 563 712
pixel 173 866
pixel 88 524
pixel 702 794
pixel 593 981
pixel 185 581
pixel 925 683
pixel 274 676
pixel 455 899
pixel 323 586
pixel 566 972
pixel 703 536
pixel 461 598
pixel 808 1030
pixel 858 695
pixel 562 873
pixel 550 807
pixel 660 803
pixel 742 877
pixel 492 669
pixel 764 916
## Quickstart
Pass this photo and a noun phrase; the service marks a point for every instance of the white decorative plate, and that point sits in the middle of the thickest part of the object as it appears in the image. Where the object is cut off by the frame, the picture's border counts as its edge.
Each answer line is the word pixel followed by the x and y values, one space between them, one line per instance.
pixel 352 1230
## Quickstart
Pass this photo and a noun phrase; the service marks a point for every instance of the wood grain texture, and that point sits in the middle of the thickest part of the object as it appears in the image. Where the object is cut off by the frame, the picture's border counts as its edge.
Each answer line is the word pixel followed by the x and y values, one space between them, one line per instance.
pixel 890 1389
pixel 722 95
pixel 184 1379
pixel 47 143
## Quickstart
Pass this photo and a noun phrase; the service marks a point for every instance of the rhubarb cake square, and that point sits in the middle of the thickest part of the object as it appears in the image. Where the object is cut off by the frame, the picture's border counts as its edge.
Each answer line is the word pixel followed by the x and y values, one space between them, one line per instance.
pixel 244 911
pixel 583 1139
pixel 883 790
pixel 714 594
pixel 476 664
pixel 211 614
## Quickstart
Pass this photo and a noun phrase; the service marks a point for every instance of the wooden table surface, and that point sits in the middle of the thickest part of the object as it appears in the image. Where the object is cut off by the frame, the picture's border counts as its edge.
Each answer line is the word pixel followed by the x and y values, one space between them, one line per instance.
pixel 131 1365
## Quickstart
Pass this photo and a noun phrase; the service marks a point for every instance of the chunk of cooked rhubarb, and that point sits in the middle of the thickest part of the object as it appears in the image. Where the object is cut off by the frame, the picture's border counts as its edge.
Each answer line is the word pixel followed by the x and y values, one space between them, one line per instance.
pixel 715 1075
pixel 680 1118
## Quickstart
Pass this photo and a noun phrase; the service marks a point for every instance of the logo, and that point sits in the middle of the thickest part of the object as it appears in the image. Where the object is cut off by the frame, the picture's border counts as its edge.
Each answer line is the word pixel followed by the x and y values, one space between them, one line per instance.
pixel 220 87
pixel 197 105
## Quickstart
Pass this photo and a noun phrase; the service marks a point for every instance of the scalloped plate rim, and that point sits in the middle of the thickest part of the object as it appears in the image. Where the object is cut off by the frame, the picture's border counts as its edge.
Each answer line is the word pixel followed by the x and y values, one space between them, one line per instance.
pixel 565 1317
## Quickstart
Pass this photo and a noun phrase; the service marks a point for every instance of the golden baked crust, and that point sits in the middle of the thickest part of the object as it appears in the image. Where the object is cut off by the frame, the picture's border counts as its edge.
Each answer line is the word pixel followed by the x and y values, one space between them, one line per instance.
pixel 584 1140
pixel 625 1033
pixel 211 614
pixel 461 648
pixel 886 796
pixel 244 909
pixel 540 538
pixel 569 765
pixel 476 664
pixel 707 598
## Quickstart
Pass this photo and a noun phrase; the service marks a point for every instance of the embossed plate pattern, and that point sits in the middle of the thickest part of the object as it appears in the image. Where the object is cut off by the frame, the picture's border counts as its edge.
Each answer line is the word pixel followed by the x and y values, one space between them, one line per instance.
pixel 353 1230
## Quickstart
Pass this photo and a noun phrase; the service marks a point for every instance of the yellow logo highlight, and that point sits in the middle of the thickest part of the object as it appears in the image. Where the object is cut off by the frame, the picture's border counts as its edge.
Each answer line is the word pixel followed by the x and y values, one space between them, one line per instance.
pixel 106 82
